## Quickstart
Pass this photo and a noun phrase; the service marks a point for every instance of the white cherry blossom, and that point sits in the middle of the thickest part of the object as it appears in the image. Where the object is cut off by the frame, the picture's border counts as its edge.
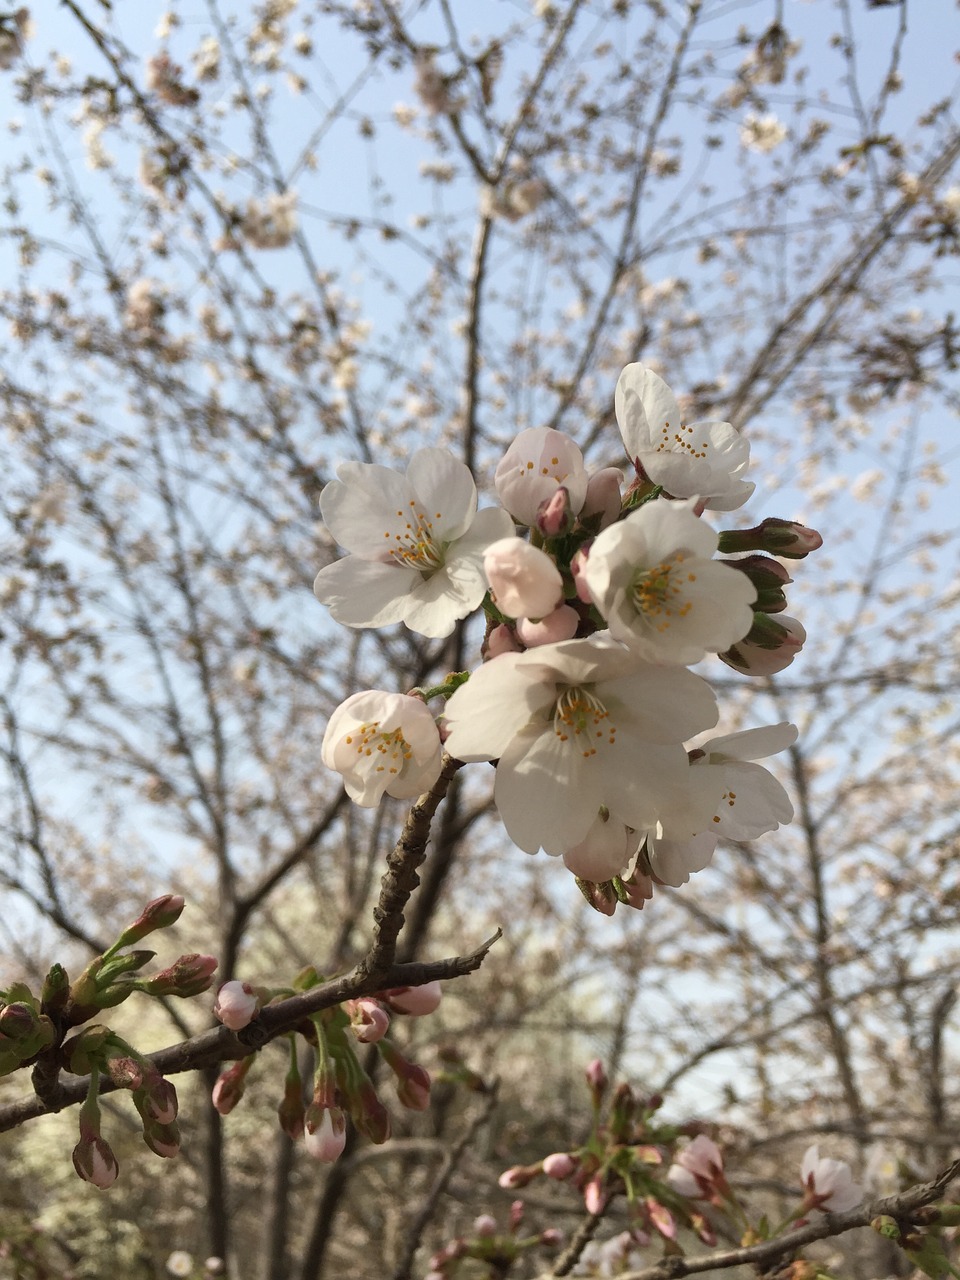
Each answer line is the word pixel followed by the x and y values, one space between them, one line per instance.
pixel 753 801
pixel 652 577
pixel 538 462
pixel 580 725
pixel 416 544
pixel 699 459
pixel 383 743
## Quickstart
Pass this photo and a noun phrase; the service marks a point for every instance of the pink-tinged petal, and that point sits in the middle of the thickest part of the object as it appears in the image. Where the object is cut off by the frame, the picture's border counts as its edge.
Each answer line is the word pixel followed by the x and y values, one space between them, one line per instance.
pixel 604 852
pixel 446 490
pixel 538 462
pixel 363 593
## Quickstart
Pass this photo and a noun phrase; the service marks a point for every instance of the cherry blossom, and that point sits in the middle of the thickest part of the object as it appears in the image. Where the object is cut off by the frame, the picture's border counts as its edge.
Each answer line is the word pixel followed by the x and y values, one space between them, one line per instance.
pixel 415 544
pixel 524 581
pixel 579 725
pixel 236 1004
pixel 753 801
pixel 652 578
pixel 829 1184
pixel 383 743
pixel 538 462
pixel 700 459
pixel 697 1171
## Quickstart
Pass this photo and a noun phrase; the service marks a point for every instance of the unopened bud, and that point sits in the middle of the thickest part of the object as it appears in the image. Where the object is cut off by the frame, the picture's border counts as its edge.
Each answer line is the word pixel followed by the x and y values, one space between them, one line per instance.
pixel 662 1218
pixel 518 1176
pixel 413 1089
pixel 236 1004
pixel 597 1079
pixel 94 1161
pixel 156 1100
pixel 230 1084
pixel 524 581
pixel 778 537
pixel 485 1225
pixel 158 914
pixel 601 507
pixel 327 1136
pixel 552 1238
pixel 371 1117
pixel 560 625
pixel 162 1139
pixel 415 1001
pixel 578 566
pixel 188 976
pixel 501 640
pixel 769 577
pixel 594 1197
pixel 56 990
pixel 554 516
pixel 770 646
pixel 560 1165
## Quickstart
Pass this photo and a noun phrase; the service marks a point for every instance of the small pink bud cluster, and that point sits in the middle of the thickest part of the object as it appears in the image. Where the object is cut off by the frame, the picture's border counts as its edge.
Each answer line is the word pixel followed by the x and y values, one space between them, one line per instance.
pixel 490 1244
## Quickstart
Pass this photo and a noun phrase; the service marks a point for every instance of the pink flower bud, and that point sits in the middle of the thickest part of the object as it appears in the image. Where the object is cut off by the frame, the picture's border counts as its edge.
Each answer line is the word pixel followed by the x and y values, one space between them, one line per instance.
pixel 158 914
pixel 416 1001
pixel 778 537
pixel 236 1004
pixel 603 497
pixel 162 1139
pixel 560 1165
pixel 554 515
pixel 771 645
pixel 560 625
pixel 518 1176
pixel 413 1089
pixel 662 1219
pixel 370 1021
pixel 524 581
pixel 229 1086
pixel 551 1238
pixel 326 1141
pixel 501 640
pixel 578 567
pixel 187 976
pixel 594 1197
pixel 94 1161
pixel 485 1225
pixel 596 1076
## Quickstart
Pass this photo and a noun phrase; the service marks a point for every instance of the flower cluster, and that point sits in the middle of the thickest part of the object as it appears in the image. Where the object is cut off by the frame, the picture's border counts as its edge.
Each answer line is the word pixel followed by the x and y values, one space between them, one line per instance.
pixel 341 1087
pixel 596 607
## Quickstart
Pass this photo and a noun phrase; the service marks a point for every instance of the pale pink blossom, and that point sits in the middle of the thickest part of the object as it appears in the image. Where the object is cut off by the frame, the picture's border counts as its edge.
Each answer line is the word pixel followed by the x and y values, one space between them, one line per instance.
pixel 370 1021
pixel 828 1184
pixel 538 462
pixel 524 581
pixel 697 1171
pixel 501 640
pixel 236 1004
pixel 706 460
pixel 383 743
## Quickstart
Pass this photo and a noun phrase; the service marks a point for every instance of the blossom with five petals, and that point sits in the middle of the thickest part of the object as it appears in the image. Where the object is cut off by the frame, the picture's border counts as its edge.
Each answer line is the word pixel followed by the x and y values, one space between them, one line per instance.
pixel 584 724
pixel 383 743
pixel 534 467
pixel 415 544
pixel 702 459
pixel 652 577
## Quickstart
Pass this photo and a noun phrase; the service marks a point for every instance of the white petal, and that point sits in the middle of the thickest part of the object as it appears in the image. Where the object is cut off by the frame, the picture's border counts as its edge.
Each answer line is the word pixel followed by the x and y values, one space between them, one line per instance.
pixel 364 593
pixel 674 861
pixel 497 702
pixel 363 507
pixel 547 794
pixel 753 744
pixel 446 490
pixel 646 409
pixel 753 803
